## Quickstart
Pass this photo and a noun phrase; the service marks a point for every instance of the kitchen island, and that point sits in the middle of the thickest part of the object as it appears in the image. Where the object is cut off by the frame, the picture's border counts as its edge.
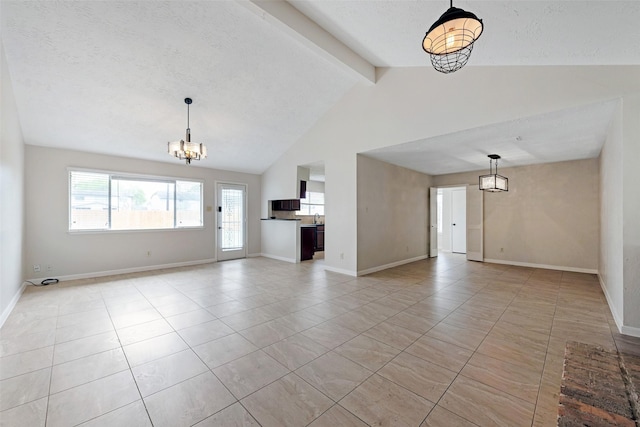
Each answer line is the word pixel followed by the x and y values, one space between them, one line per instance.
pixel 281 239
pixel 290 240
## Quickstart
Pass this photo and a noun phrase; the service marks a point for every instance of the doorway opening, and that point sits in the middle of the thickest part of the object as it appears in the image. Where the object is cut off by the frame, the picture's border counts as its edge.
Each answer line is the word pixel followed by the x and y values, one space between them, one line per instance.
pixel 312 210
pixel 461 205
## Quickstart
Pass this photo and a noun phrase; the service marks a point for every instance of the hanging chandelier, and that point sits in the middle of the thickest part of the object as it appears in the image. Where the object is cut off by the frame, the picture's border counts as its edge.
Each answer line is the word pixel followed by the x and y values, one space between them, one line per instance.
pixel 493 182
pixel 450 39
pixel 185 149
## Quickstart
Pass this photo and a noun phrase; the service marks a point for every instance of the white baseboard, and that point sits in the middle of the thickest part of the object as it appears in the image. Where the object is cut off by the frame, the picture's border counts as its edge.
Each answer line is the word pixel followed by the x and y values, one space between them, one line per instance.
pixel 279 258
pixel 545 266
pixel 7 311
pixel 128 270
pixel 612 308
pixel 391 265
pixel 629 330
pixel 341 271
pixel 625 330
pixel 254 255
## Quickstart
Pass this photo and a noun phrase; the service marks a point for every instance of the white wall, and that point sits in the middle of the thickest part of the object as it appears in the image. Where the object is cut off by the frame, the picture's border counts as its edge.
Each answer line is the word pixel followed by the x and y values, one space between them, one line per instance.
pixel 549 216
pixel 85 254
pixel 631 213
pixel 12 260
pixel 281 240
pixel 393 215
pixel 408 104
pixel 611 207
pixel 620 221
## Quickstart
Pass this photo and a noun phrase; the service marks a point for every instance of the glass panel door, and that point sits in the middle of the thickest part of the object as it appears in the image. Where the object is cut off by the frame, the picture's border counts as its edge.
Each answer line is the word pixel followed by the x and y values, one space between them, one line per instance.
pixel 231 221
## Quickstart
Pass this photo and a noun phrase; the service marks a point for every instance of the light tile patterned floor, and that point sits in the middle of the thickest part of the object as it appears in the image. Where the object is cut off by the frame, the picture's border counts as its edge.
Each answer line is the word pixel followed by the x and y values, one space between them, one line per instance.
pixel 439 342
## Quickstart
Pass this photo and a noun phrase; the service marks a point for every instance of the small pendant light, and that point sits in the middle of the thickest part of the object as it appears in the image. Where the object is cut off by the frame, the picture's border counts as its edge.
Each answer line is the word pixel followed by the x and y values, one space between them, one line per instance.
pixel 493 182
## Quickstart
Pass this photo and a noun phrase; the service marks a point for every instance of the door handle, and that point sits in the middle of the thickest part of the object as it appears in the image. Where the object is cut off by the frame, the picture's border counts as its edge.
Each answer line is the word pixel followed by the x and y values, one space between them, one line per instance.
pixel 454 224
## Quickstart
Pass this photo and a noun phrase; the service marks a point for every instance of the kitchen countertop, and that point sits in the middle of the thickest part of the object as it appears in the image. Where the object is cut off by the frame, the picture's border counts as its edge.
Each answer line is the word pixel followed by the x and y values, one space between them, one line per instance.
pixel 279 219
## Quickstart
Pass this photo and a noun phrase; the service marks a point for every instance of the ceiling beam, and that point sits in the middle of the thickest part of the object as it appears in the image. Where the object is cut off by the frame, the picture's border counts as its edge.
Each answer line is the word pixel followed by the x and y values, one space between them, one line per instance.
pixel 300 27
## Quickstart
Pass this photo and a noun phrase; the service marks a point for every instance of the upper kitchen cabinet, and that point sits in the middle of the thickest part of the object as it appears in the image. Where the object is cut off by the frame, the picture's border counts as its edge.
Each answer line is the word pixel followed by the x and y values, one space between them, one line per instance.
pixel 285 205
pixel 303 177
pixel 303 189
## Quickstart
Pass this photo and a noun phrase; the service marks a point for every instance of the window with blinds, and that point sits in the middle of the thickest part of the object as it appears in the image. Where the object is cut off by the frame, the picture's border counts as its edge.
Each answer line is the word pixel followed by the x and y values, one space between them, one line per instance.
pixel 105 201
pixel 312 204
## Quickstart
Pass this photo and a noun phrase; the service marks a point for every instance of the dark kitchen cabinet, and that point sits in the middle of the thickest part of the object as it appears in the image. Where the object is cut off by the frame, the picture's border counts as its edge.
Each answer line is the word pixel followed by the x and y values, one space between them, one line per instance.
pixel 303 189
pixel 285 205
pixel 320 238
pixel 307 240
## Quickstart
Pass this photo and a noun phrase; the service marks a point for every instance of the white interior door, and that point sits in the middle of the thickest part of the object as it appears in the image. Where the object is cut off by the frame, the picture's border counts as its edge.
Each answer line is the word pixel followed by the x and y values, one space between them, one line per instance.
pixel 433 220
pixel 459 220
pixel 231 221
pixel 475 242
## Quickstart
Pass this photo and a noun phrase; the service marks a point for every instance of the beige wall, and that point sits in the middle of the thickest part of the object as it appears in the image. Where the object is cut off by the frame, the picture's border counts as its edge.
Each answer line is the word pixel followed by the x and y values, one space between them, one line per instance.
pixel 84 254
pixel 549 216
pixel 12 260
pixel 393 212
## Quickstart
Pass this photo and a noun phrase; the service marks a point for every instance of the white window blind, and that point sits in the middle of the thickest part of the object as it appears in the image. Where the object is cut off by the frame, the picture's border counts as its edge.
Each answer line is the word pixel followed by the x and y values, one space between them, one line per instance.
pixel 312 204
pixel 104 201
pixel 88 201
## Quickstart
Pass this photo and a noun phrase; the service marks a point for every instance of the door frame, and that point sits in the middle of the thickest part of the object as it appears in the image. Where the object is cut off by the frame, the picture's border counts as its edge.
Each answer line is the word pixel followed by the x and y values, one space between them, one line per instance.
pixel 433 222
pixel 475 224
pixel 217 226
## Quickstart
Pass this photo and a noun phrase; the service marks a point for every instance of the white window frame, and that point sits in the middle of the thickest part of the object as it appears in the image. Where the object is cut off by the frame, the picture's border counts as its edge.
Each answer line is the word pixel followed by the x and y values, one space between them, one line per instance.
pixel 307 205
pixel 133 177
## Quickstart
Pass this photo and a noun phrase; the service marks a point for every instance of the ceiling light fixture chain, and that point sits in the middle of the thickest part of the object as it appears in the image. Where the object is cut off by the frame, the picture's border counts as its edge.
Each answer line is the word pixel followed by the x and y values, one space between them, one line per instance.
pixel 188 101
pixel 450 39
pixel 185 149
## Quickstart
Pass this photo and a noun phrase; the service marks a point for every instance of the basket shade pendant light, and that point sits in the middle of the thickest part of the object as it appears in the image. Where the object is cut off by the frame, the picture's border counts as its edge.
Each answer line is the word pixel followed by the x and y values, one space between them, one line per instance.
pixel 185 149
pixel 450 39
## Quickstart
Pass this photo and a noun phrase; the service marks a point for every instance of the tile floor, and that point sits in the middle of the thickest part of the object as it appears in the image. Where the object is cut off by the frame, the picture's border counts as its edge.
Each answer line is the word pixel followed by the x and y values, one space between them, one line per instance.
pixel 439 342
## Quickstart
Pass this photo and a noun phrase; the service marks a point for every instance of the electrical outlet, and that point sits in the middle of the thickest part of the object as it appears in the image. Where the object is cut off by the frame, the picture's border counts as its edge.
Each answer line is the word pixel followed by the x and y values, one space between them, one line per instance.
pixel 49 268
pixel 148 253
pixel 501 249
pixel 341 255
pixel 36 268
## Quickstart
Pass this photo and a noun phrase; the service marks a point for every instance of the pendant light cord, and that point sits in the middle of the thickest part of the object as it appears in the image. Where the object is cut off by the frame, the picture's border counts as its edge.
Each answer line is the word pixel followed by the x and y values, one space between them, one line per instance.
pixel 187 116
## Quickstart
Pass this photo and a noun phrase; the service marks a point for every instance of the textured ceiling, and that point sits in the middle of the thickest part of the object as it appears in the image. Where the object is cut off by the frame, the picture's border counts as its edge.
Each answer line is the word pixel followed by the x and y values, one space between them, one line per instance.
pixel 559 32
pixel 577 133
pixel 110 77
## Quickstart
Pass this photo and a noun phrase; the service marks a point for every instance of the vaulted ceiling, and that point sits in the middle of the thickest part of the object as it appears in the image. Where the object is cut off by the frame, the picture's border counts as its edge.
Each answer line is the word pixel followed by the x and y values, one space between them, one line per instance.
pixel 110 77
